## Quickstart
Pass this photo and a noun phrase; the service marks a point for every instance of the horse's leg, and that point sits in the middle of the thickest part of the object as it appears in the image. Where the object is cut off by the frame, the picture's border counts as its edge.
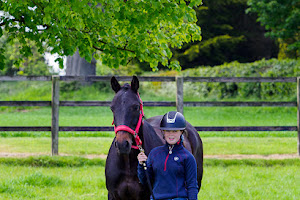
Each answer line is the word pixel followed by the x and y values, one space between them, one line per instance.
pixel 113 196
pixel 110 197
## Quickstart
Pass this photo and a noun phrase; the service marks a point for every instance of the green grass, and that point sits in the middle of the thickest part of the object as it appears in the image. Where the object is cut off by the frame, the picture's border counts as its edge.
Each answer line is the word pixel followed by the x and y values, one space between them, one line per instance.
pixel 78 161
pixel 64 177
pixel 100 145
pixel 41 91
pixel 248 182
pixel 246 145
pixel 61 134
pixel 68 116
pixel 75 146
pixel 52 183
pixel 214 142
pixel 111 134
pixel 52 161
pixel 197 116
pixel 242 116
pixel 78 178
pixel 25 90
pixel 102 116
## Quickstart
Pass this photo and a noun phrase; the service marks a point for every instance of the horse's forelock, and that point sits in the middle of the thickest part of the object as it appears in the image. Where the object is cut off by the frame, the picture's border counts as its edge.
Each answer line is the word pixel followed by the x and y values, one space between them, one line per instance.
pixel 126 86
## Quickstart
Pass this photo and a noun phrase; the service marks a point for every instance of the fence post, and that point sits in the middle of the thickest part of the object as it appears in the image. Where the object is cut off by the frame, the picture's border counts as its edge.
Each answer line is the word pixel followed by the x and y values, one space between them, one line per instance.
pixel 179 94
pixel 298 113
pixel 55 114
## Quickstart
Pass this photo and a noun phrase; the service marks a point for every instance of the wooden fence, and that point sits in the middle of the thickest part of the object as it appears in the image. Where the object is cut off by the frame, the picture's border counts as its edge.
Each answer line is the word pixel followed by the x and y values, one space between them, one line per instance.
pixel 179 103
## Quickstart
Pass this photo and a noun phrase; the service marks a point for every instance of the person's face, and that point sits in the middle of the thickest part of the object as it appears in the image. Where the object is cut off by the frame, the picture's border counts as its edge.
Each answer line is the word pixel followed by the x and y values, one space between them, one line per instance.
pixel 172 137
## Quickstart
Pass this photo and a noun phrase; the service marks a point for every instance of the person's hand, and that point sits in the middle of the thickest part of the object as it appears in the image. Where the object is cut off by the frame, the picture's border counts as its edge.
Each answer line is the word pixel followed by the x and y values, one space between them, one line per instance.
pixel 142 157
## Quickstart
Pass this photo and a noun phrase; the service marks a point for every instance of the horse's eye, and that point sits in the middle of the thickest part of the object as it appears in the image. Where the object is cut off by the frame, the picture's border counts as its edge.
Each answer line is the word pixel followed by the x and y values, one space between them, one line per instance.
pixel 136 108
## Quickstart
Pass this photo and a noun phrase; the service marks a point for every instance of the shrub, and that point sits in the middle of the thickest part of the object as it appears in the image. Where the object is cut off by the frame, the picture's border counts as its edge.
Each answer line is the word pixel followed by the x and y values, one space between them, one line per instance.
pixel 262 68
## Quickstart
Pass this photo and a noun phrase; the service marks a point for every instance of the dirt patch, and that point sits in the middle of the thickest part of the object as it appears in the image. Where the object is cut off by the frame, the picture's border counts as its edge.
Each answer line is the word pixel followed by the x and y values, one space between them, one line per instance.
pixel 102 156
pixel 20 155
pixel 24 155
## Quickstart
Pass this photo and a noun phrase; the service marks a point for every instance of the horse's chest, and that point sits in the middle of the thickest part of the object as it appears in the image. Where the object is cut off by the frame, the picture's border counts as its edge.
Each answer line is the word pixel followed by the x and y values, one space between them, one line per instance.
pixel 122 181
pixel 129 187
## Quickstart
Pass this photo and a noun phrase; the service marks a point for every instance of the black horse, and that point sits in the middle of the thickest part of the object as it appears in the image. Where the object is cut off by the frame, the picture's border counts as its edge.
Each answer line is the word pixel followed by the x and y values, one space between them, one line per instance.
pixel 133 134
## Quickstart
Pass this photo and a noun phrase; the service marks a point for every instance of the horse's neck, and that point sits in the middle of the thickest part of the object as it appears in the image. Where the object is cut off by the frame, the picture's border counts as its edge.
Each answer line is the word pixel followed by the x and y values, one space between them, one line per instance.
pixel 150 137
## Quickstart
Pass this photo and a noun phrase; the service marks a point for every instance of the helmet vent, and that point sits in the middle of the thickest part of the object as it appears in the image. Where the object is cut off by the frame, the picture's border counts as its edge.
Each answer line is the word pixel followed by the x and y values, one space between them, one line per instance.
pixel 171 120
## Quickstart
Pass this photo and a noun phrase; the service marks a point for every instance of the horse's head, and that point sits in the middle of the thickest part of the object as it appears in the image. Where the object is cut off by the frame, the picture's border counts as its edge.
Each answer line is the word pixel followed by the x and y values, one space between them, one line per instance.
pixel 126 108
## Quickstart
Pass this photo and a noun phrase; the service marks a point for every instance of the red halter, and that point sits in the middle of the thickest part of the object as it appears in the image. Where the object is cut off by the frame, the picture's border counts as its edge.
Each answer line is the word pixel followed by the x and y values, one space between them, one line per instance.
pixel 135 132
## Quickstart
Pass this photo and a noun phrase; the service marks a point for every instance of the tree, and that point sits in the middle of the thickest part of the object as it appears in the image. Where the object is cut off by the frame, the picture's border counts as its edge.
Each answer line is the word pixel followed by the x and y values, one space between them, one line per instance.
pixel 113 31
pixel 282 19
pixel 77 66
pixel 228 34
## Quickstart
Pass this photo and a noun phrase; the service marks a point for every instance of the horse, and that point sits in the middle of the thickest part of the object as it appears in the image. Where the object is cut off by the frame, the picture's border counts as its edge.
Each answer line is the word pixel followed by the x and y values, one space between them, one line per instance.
pixel 132 135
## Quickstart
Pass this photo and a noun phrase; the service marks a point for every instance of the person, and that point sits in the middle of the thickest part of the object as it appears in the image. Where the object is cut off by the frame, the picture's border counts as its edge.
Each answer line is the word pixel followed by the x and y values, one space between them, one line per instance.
pixel 171 167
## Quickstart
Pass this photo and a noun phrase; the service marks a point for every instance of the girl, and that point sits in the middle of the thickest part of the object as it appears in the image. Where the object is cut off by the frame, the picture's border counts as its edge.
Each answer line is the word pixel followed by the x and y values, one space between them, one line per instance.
pixel 172 168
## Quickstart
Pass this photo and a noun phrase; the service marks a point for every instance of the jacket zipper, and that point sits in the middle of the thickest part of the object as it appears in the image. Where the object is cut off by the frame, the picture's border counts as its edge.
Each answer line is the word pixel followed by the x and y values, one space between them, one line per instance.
pixel 170 152
pixel 165 168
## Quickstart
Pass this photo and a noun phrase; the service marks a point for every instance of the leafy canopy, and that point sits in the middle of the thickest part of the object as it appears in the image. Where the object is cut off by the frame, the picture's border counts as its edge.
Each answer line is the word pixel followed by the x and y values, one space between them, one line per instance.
pixel 282 18
pixel 118 30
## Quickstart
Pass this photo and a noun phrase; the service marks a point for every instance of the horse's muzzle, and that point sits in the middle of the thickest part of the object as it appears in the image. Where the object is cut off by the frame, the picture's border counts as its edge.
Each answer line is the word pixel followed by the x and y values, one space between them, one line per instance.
pixel 123 142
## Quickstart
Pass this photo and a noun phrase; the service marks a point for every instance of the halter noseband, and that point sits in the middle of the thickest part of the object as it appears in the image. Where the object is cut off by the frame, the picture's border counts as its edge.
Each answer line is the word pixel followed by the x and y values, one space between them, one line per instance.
pixel 135 132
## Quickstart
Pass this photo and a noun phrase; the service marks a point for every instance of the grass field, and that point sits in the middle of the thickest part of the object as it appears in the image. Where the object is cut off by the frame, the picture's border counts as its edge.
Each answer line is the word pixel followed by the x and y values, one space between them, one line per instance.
pixel 52 183
pixel 77 178
pixel 197 116
pixel 100 145
pixel 214 142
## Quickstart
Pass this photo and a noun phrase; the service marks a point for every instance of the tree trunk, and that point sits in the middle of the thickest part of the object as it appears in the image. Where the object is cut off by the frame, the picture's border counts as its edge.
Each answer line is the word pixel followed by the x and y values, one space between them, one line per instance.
pixel 77 66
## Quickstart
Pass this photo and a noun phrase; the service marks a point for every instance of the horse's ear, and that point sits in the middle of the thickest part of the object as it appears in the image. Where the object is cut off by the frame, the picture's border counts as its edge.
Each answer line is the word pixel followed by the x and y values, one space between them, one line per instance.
pixel 135 84
pixel 115 84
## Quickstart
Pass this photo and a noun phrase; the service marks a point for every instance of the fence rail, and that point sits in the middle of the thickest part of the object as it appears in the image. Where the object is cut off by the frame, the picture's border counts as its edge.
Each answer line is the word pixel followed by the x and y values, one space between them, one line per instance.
pixel 152 79
pixel 110 128
pixel 155 103
pixel 179 103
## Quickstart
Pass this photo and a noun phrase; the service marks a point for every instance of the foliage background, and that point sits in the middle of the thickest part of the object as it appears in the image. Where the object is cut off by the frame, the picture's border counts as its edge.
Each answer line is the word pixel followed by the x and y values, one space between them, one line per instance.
pixel 228 34
pixel 281 19
pixel 225 91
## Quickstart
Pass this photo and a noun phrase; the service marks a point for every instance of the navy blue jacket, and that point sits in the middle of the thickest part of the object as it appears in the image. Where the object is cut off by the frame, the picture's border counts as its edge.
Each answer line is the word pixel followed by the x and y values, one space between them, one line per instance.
pixel 174 175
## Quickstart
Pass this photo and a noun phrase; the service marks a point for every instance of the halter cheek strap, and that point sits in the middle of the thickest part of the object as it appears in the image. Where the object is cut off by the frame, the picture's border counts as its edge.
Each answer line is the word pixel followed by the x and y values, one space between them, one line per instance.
pixel 135 132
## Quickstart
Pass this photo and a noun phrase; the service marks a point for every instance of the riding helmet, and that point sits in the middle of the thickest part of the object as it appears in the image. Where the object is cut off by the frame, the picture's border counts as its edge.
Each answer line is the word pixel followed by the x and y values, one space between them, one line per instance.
pixel 173 121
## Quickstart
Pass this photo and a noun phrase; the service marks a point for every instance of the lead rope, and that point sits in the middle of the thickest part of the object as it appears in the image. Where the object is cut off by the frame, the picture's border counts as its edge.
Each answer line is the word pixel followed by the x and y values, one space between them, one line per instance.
pixel 147 175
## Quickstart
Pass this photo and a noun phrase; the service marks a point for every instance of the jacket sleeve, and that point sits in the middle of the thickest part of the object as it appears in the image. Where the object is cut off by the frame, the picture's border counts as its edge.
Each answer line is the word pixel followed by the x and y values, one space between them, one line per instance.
pixel 142 173
pixel 191 178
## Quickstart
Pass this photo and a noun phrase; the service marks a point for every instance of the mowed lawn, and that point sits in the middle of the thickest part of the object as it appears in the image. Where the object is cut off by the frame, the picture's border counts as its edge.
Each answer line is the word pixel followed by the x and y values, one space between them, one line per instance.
pixel 224 180
pixel 100 145
pixel 197 116
pixel 215 143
